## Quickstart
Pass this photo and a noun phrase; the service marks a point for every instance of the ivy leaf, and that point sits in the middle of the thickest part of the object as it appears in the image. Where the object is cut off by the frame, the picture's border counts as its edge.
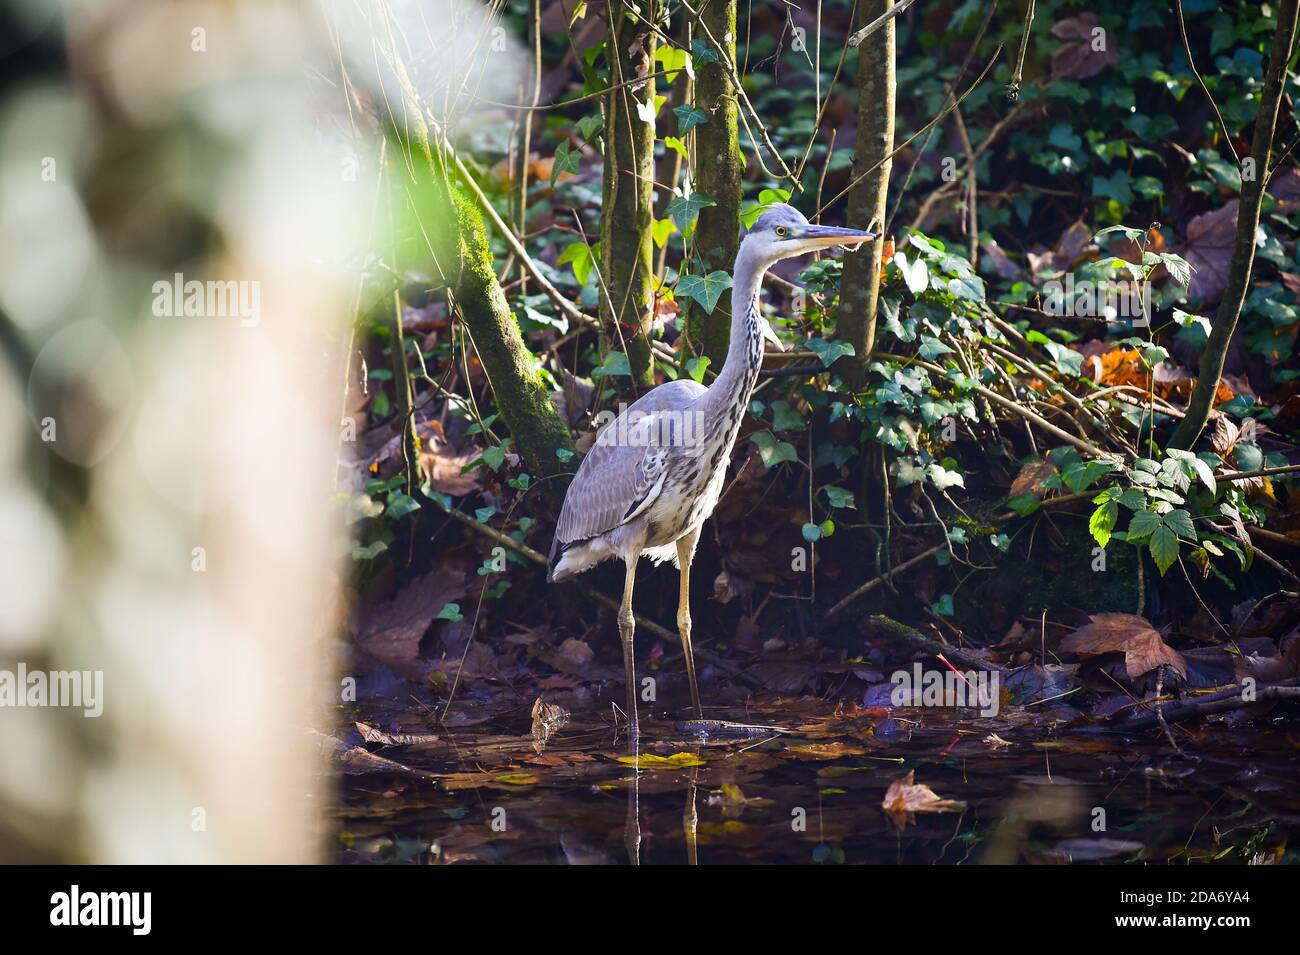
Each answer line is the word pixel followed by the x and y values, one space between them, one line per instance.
pixel 1024 504
pixel 838 497
pixel 401 504
pixel 566 160
pixel 1066 359
pixel 942 478
pixel 590 125
pixel 615 363
pixel 696 367
pixel 944 606
pixel 812 533
pixel 683 210
pixel 771 450
pixel 494 456
pixel 705 289
pixel 688 117
pixel 829 350
pixel 450 612
pixel 702 53
pixel 916 275
pixel 578 255
pixel 661 231
pixel 785 418
pixel 932 348
pixel 673 60
pixel 1164 548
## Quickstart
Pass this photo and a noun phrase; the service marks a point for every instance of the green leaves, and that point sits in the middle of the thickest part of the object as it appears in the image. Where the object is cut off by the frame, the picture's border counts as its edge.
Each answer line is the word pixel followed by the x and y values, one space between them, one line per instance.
pixel 1161 533
pixel 672 60
pixel 580 256
pixel 786 418
pixel 771 450
pixel 838 497
pixel 615 363
pixel 688 117
pixel 932 348
pixel 683 210
pixel 750 212
pixel 566 160
pixel 1102 522
pixel 696 367
pixel 829 350
pixel 1066 359
pixel 704 289
pixel 1164 548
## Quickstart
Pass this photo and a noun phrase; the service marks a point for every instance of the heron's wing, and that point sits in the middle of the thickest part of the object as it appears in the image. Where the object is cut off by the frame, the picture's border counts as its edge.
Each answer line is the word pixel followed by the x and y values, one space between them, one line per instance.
pixel 623 472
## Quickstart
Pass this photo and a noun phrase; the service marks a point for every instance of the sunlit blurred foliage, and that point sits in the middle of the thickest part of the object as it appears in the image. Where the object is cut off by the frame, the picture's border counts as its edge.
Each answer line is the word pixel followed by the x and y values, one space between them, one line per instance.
pixel 166 479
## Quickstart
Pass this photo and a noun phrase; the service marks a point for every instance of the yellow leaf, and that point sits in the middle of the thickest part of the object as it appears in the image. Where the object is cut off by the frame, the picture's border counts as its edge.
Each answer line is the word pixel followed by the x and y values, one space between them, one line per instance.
pixel 651 761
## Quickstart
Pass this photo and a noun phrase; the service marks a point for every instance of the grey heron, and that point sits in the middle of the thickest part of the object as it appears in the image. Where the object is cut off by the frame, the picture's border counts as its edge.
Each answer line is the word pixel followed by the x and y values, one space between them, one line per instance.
pixel 654 474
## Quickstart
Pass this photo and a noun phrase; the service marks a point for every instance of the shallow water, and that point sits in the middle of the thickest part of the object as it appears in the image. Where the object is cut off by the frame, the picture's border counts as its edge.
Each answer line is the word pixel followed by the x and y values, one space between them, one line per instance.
pixel 1046 791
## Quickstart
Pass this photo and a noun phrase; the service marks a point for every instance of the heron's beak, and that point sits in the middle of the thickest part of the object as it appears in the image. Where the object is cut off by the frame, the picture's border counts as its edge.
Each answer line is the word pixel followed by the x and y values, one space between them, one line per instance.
pixel 825 236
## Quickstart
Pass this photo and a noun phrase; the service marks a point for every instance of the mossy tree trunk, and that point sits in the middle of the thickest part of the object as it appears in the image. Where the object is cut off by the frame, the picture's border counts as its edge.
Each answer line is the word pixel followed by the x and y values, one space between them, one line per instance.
pixel 627 244
pixel 462 260
pixel 860 288
pixel 1243 252
pixel 511 369
pixel 717 169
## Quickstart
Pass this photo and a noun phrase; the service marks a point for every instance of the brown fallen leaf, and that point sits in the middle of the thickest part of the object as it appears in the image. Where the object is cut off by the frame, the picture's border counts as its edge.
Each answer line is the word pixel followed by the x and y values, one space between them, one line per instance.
pixel 1143 647
pixel 441 467
pixel 391 632
pixel 1078 57
pixel 1031 477
pixel 905 796
pixel 547 718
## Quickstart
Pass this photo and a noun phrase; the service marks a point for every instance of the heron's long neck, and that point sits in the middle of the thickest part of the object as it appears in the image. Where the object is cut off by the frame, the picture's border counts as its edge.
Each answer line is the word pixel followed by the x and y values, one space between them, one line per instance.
pixel 736 380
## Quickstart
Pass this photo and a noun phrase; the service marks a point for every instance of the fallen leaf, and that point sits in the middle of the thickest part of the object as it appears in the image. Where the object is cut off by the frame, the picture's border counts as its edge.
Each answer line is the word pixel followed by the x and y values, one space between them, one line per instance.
pixel 905 797
pixel 391 632
pixel 1143 647
pixel 651 761
pixel 1210 240
pixel 547 718
pixel 1031 477
pixel 442 469
pixel 1080 59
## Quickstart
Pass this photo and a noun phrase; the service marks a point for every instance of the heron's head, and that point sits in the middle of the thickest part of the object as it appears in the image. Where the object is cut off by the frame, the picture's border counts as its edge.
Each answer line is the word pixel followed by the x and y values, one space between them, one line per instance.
pixel 782 232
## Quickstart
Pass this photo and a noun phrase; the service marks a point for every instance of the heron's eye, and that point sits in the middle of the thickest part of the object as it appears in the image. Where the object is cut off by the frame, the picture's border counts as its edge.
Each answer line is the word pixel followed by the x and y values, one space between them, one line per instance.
pixel 781 231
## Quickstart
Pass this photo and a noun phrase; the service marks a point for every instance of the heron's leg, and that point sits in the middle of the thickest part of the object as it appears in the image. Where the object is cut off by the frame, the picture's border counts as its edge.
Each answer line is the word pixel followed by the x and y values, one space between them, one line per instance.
pixel 626 628
pixel 686 554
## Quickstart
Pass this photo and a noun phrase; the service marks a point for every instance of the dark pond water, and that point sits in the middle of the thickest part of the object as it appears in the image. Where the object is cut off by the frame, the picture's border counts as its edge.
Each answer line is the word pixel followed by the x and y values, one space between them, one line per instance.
pixel 1033 788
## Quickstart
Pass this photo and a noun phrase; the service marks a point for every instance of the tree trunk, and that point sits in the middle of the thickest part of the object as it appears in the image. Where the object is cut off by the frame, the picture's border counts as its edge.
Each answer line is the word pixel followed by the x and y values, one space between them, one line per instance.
pixel 463 259
pixel 718 166
pixel 627 243
pixel 520 394
pixel 1243 252
pixel 860 287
